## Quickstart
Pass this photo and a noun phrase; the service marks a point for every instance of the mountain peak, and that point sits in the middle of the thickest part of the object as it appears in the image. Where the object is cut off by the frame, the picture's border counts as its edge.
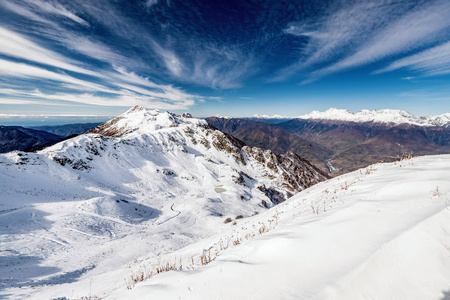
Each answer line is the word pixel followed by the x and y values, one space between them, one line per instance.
pixel 136 108
pixel 139 120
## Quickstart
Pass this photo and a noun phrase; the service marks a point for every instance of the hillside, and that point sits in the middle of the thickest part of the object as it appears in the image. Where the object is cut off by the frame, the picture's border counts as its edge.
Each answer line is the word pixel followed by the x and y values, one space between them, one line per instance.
pixel 267 136
pixel 376 233
pixel 355 145
pixel 144 184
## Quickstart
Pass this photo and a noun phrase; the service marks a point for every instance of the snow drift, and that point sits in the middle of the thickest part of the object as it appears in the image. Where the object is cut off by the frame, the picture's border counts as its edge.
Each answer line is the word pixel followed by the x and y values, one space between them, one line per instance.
pixel 377 233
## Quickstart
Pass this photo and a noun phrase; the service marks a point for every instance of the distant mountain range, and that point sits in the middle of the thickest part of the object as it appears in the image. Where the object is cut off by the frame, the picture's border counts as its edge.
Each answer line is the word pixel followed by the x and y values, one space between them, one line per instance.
pixel 384 116
pixel 68 129
pixel 21 138
pixel 341 141
pixel 36 138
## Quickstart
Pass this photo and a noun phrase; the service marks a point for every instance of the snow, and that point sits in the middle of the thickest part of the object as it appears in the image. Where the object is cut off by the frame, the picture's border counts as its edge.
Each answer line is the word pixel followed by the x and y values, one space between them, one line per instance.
pixel 386 116
pixel 383 235
pixel 221 117
pixel 81 218
pixel 90 208
pixel 377 233
pixel 256 116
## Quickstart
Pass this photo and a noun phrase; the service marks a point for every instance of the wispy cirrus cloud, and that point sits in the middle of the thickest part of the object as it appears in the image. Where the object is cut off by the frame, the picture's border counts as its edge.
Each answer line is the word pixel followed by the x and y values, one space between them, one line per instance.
pixel 366 32
pixel 18 46
pixel 29 63
pixel 150 3
pixel 143 92
pixel 24 12
pixel 22 70
pixel 431 62
pixel 56 9
pixel 167 46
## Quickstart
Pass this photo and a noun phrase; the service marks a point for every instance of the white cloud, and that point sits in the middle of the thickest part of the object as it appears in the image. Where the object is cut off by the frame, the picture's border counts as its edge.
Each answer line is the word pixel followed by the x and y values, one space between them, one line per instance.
pixel 124 88
pixel 57 9
pixel 151 89
pixel 150 3
pixel 171 60
pixel 433 61
pixel 413 30
pixel 27 116
pixel 119 93
pixel 23 102
pixel 124 99
pixel 12 69
pixel 19 46
pixel 23 11
pixel 366 32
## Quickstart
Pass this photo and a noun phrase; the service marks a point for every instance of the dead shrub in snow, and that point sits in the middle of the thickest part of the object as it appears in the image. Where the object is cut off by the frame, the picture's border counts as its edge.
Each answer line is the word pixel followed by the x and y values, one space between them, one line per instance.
pixel 143 273
pixel 436 192
pixel 205 258
pixel 406 156
pixel 263 229
pixel 236 242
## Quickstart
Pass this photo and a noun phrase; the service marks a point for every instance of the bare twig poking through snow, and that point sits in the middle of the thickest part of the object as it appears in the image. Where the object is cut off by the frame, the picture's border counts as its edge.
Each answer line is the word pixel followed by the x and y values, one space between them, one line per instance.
pixel 205 258
pixel 436 192
pixel 312 207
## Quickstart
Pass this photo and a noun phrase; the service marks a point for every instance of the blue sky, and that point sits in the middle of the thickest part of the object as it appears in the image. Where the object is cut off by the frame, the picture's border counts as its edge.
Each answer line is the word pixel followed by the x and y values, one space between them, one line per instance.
pixel 95 59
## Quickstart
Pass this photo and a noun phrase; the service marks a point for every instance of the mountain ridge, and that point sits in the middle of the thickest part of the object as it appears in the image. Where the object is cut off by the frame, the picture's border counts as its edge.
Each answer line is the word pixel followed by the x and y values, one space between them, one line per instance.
pixel 384 116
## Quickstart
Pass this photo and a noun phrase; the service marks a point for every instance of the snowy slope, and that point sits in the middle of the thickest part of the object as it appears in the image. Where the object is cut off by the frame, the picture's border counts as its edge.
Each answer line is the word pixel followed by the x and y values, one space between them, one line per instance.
pixel 386 116
pixel 378 233
pixel 144 184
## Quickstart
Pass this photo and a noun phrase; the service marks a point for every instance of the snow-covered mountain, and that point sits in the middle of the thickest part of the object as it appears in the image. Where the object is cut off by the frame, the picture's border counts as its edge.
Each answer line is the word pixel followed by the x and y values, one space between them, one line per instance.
pixel 377 233
pixel 256 116
pixel 142 184
pixel 385 116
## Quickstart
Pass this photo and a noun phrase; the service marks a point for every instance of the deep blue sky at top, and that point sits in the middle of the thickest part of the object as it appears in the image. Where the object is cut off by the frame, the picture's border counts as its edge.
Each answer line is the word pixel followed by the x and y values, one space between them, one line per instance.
pixel 236 58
